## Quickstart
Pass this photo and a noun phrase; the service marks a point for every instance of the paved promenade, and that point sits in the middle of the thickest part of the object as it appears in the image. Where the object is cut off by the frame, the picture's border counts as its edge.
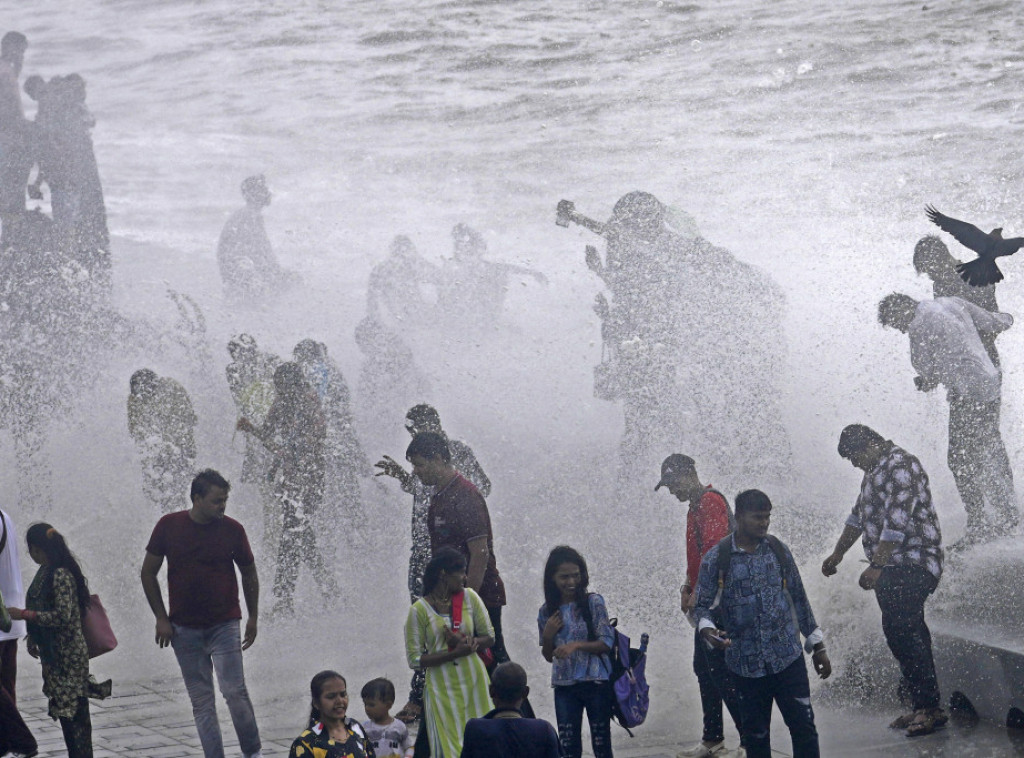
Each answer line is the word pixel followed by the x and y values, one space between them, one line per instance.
pixel 154 720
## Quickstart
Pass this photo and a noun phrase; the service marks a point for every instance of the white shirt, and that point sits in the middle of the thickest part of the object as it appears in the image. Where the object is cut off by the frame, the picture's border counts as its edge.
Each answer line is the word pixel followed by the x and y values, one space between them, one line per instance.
pixel 945 346
pixel 10 578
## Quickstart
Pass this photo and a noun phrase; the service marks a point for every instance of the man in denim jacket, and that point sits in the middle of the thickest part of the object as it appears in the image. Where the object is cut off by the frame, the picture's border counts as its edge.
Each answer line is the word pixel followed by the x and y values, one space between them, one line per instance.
pixel 764 609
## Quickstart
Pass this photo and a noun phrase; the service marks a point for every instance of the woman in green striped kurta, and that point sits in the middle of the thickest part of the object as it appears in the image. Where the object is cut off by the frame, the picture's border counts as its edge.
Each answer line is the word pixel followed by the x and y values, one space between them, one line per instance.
pixel 457 681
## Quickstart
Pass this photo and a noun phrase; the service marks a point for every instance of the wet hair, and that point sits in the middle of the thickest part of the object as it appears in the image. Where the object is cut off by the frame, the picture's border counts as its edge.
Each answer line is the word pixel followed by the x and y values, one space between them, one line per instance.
pixel 289 375
pixel 424 415
pixel 896 310
pixel 309 350
pixel 206 479
pixel 51 542
pixel 141 379
pixel 641 212
pixel 553 596
pixel 34 86
pixel 73 87
pixel 242 342
pixel 401 245
pixel 254 187
pixel 508 682
pixel 429 445
pixel 857 437
pixel 316 689
pixel 752 500
pixel 930 250
pixel 446 559
pixel 469 236
pixel 378 689
pixel 13 41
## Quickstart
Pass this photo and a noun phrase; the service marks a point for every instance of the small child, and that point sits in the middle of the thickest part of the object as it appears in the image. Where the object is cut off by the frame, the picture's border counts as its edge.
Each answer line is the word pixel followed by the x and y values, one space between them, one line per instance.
pixel 389 737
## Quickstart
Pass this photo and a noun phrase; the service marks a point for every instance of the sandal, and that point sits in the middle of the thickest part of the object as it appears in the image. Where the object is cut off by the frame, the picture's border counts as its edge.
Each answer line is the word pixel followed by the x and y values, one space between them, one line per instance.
pixel 902 722
pixel 926 721
pixel 410 713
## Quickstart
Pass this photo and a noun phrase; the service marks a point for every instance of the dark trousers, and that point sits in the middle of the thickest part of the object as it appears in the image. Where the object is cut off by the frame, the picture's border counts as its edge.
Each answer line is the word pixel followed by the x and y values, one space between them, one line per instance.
pixel 78 731
pixel 9 667
pixel 570 702
pixel 15 736
pixel 980 466
pixel 791 691
pixel 901 592
pixel 716 686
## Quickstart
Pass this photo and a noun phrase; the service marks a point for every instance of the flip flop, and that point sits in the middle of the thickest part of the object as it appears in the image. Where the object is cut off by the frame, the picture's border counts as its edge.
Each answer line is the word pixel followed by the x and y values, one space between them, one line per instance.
pixel 902 722
pixel 927 721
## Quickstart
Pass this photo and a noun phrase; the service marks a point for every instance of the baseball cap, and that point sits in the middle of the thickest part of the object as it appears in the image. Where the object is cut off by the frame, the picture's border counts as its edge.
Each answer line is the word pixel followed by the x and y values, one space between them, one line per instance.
pixel 673 466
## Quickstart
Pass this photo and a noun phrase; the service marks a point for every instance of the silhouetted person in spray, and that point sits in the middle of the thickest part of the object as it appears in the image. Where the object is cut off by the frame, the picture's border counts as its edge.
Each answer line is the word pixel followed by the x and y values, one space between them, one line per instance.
pixel 346 460
pixel 248 266
pixel 162 422
pixel 396 288
pixel 389 380
pixel 693 343
pixel 295 433
pixel 946 349
pixel 932 258
pixel 250 378
pixel 15 134
pixel 63 150
pixel 472 289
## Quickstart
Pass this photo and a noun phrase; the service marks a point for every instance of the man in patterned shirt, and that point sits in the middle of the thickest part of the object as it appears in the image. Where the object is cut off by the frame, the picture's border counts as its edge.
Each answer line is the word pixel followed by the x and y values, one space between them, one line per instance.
pixel 763 608
pixel 899 529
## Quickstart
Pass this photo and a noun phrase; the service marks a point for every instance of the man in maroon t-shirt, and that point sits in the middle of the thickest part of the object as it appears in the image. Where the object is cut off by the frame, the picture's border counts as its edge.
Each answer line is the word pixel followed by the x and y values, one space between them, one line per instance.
pixel 202 547
pixel 458 518
pixel 707 522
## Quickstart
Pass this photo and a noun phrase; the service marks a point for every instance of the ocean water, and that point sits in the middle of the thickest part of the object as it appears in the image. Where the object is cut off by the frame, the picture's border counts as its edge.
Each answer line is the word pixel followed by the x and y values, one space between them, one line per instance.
pixel 806 137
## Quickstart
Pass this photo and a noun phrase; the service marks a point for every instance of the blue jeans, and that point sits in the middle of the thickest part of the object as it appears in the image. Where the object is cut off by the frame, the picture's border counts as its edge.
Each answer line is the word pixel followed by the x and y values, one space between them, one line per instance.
pixel 570 701
pixel 791 691
pixel 199 652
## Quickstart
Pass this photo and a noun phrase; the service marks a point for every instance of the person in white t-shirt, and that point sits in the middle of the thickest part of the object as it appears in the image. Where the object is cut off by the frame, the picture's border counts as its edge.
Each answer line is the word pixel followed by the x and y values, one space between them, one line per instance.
pixel 946 348
pixel 14 734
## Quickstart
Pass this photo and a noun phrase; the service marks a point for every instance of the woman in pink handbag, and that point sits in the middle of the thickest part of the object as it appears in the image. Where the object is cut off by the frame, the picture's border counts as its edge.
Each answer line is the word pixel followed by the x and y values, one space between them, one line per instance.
pixel 55 603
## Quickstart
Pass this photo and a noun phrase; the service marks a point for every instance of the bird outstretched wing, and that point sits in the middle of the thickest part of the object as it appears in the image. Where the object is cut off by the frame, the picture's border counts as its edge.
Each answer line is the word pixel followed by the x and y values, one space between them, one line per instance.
pixel 966 234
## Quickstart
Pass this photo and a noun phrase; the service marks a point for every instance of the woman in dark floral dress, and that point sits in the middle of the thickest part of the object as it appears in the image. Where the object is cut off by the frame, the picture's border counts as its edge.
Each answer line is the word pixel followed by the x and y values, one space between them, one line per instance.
pixel 55 602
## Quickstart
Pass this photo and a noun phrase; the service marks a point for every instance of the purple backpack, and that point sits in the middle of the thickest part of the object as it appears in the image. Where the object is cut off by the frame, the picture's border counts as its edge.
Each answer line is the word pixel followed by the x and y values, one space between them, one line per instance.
pixel 629 681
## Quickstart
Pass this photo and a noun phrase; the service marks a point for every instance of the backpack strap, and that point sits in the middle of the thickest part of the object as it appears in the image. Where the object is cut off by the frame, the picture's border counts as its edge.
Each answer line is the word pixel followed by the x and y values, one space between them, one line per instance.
pixel 724 561
pixel 728 508
pixel 457 599
pixel 3 539
pixel 783 556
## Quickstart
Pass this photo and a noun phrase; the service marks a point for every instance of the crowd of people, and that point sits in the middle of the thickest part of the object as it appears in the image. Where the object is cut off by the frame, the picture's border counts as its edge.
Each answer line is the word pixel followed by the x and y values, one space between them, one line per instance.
pixel 742 591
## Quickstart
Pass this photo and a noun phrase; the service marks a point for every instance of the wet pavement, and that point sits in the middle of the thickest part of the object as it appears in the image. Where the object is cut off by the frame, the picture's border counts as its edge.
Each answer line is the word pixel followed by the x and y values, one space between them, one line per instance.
pixel 153 720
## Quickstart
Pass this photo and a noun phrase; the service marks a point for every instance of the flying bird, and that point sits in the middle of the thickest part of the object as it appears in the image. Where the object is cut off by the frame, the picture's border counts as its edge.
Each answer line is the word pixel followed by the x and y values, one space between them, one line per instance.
pixel 982 270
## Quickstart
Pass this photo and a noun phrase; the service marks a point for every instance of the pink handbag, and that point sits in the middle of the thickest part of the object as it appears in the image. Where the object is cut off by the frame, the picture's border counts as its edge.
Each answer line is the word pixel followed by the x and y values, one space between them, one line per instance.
pixel 99 637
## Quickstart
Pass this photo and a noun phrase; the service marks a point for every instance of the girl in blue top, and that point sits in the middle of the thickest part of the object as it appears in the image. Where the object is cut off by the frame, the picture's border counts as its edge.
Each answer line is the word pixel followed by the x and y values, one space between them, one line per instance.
pixel 576 638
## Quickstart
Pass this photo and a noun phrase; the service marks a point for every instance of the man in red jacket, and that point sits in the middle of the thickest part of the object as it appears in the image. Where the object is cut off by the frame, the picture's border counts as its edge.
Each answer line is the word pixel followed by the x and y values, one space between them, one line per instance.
pixel 707 522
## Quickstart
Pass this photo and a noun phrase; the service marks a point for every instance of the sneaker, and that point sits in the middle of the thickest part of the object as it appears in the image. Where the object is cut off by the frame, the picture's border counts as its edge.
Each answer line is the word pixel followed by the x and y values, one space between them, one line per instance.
pixel 700 750
pixel 257 754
